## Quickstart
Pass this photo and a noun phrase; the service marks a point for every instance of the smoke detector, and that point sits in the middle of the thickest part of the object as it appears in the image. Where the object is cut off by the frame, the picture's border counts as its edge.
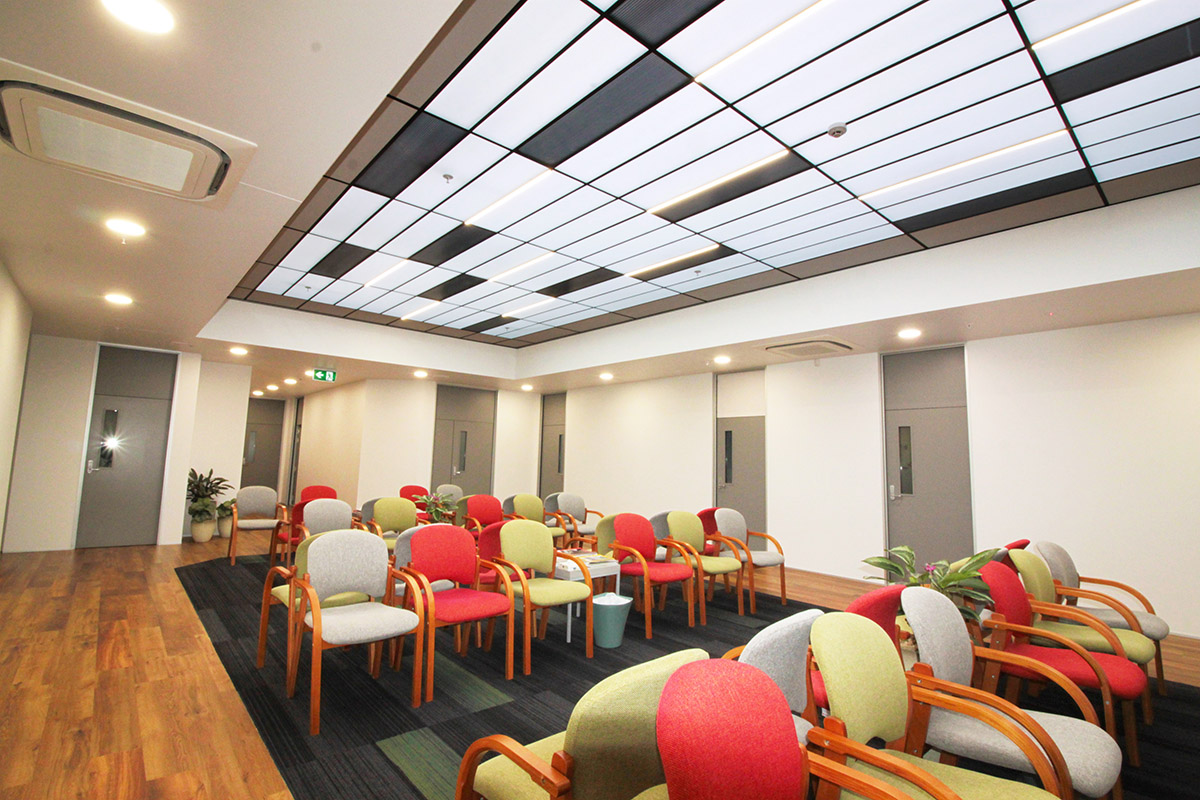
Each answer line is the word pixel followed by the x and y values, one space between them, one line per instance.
pixel 837 130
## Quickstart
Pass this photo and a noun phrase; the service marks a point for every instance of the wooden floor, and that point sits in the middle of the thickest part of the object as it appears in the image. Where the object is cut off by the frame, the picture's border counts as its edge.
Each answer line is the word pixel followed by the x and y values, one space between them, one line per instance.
pixel 112 690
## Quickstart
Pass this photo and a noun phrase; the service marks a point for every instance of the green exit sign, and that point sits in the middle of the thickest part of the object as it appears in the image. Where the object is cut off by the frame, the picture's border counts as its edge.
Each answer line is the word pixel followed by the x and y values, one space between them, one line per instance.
pixel 327 375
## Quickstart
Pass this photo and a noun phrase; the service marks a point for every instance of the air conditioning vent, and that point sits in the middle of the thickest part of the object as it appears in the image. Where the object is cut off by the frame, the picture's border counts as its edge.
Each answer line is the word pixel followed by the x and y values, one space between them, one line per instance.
pixel 811 348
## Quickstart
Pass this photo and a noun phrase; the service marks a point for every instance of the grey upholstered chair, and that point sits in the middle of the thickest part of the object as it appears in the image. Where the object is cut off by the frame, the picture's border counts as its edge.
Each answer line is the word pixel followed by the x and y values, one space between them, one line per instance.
pixel 256 508
pixel 730 523
pixel 1113 613
pixel 368 509
pixel 451 491
pixel 573 512
pixel 1092 757
pixel 780 650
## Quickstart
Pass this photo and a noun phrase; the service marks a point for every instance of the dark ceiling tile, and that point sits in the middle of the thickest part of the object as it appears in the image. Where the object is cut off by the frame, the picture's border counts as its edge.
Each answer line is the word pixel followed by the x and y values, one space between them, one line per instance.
pixel 451 244
pixel 752 181
pixel 480 327
pixel 487 338
pixel 445 330
pixel 661 305
pixel 415 149
pixel 1165 49
pixel 326 309
pixel 639 86
pixel 1010 197
pixel 341 260
pixel 380 129
pixel 545 335
pixel 1155 181
pixel 254 276
pixel 280 246
pixel 266 298
pixel 750 283
pixel 863 254
pixel 597 322
pixel 687 263
pixel 655 21
pixel 599 275
pixel 1059 205
pixel 409 324
pixel 319 200
pixel 459 283
pixel 370 316
pixel 239 293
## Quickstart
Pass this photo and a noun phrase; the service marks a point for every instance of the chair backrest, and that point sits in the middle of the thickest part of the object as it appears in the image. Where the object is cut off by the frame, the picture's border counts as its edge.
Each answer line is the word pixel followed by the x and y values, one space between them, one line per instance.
pixel 402 548
pixel 1008 593
pixel 611 732
pixel 528 544
pixel 725 521
pixel 880 605
pixel 631 530
pixel 713 749
pixel 444 552
pixel 368 509
pixel 943 641
pixel 394 513
pixel 528 506
pixel 489 541
pixel 1003 554
pixel 569 503
pixel 413 490
pixel 483 507
pixel 317 491
pixel 780 650
pixel 348 561
pixel 1035 575
pixel 683 526
pixel 450 491
pixel 327 514
pixel 1062 566
pixel 863 676
pixel 256 501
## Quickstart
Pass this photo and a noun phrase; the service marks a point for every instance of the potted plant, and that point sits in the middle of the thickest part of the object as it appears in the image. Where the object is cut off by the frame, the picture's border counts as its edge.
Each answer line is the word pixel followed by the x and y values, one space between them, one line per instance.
pixel 202 507
pixel 961 583
pixel 438 507
pixel 225 518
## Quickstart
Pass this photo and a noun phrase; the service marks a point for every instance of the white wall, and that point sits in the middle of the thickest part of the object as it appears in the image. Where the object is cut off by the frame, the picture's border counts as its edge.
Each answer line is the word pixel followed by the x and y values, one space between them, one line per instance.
pixel 173 521
pixel 825 465
pixel 1090 437
pixel 742 394
pixel 50 450
pixel 397 437
pixel 643 447
pixel 15 320
pixel 518 443
pixel 331 440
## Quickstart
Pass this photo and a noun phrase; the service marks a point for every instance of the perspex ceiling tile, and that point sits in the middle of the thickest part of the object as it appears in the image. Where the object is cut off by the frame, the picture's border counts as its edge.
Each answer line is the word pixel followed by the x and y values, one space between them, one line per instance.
pixel 1147 161
pixel 425 230
pixel 1162 83
pixel 833 245
pixel 307 252
pixel 1143 117
pixel 1137 21
pixel 765 198
pixel 469 159
pixel 808 203
pixel 351 210
pixel 385 225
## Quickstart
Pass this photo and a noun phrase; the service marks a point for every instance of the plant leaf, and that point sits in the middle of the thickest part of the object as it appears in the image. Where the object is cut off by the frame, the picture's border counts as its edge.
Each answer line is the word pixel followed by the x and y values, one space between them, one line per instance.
pixel 885 564
pixel 906 555
pixel 976 561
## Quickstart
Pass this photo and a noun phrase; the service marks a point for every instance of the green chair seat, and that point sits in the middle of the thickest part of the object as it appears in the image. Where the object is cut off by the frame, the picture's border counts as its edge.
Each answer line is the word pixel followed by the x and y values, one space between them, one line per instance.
pixel 719 565
pixel 1138 648
pixel 500 777
pixel 280 593
pixel 654 793
pixel 966 783
pixel 552 591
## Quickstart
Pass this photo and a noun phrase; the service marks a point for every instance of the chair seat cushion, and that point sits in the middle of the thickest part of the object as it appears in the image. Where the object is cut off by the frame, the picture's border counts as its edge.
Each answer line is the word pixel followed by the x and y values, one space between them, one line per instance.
pixel 659 572
pixel 760 558
pixel 653 793
pixel 1125 677
pixel 584 528
pixel 1093 757
pixel 437 586
pixel 283 537
pixel 716 565
pixel 464 605
pixel 963 782
pixel 500 779
pixel 363 622
pixel 802 726
pixel 1153 626
pixel 256 524
pixel 553 592
pixel 280 593
pixel 1137 647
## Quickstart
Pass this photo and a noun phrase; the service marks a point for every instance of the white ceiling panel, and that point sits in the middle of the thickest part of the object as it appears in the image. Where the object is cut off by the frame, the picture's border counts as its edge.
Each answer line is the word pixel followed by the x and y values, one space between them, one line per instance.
pixel 729 159
pixel 305 254
pixel 836 230
pixel 726 29
pixel 781 191
pixel 389 277
pixel 385 302
pixel 446 314
pixel 723 276
pixel 1158 112
pixel 1137 22
pixel 617 234
pixel 540 279
pixel 481 253
pixel 613 284
pixel 697 141
pixel 308 286
pixel 517 328
pixel 572 312
pixel 560 212
pixel 1183 151
pixel 427 229
pixel 647 245
pixel 418 309
pixel 372 267
pixel 1142 141
pixel 673 280
pixel 362 297
pixel 538 30
pixel 681 110
pixel 352 209
pixel 336 291
pixel 944 62
pixel 468 320
pixel 498 183
pixel 629 298
pixel 835 245
pixel 598 55
pixel 385 225
pixel 519 259
pixel 545 191
pixel 280 279
pixel 798 225
pixel 1171 80
pixel 921 27
pixel 603 217
pixel 643 262
pixel 500 296
pixel 426 280
pixel 469 159
pixel 831 194
pixel 530 305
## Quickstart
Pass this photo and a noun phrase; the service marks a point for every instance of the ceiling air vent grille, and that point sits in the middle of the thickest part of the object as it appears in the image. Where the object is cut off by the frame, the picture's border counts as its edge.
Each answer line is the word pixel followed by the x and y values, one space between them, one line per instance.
pixel 811 348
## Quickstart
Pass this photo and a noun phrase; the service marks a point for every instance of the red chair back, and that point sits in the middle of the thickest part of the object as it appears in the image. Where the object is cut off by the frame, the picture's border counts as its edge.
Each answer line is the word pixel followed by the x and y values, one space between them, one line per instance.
pixel 317 492
pixel 713 749
pixel 444 552
pixel 708 517
pixel 489 541
pixel 412 491
pixel 485 508
pixel 1008 593
pixel 1005 559
pixel 881 606
pixel 634 530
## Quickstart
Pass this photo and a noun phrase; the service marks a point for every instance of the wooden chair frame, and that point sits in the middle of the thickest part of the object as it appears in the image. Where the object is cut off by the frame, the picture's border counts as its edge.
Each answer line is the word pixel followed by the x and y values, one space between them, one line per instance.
pixel 742 553
pixel 281 514
pixel 529 606
pixel 648 584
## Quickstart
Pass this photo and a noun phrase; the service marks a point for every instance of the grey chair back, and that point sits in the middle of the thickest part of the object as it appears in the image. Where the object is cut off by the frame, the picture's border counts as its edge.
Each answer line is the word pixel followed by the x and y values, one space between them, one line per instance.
pixel 731 523
pixel 256 501
pixel 368 509
pixel 1062 566
pixel 569 503
pixel 348 561
pixel 455 493
pixel 403 548
pixel 328 514
pixel 662 530
pixel 943 641
pixel 780 650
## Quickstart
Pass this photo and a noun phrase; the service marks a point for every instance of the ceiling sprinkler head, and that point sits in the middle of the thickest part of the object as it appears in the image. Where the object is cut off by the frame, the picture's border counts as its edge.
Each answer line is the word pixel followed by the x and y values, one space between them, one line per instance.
pixel 837 130
pixel 448 177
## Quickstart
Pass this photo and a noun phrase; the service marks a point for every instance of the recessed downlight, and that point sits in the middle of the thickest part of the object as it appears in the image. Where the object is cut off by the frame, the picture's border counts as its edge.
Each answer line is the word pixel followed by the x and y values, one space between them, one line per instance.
pixel 118 299
pixel 238 351
pixel 148 16
pixel 272 387
pixel 527 387
pixel 909 333
pixel 606 376
pixel 257 393
pixel 420 374
pixel 290 381
pixel 722 360
pixel 308 373
pixel 124 227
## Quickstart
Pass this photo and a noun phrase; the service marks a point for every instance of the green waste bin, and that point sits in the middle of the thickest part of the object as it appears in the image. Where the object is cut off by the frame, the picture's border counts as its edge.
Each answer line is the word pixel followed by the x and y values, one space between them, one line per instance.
pixel 610 612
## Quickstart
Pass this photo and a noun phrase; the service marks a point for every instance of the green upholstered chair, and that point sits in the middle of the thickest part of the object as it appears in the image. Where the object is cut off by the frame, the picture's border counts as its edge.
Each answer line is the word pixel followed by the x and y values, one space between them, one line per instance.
pixel 687 528
pixel 530 545
pixel 1113 613
pixel 607 752
pixel 870 696
pixel 391 516
pixel 526 506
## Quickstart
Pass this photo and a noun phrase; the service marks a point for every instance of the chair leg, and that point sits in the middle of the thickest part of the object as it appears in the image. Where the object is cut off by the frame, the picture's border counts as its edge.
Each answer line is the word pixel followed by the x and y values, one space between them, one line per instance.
pixel 1147 703
pixel 662 596
pixel 314 703
pixel 431 644
pixel 262 626
pixel 543 618
pixel 271 550
pixel 749 570
pixel 294 643
pixel 376 651
pixel 491 630
pixel 783 584
pixel 1158 669
pixel 417 676
pixel 741 602
pixel 528 630
pixel 1012 690
pixel 1131 742
pixel 711 580
pixel 646 603
pixel 233 545
pixel 699 579
pixel 509 623
pixel 589 627
pixel 726 581
pixel 691 602
pixel 397 652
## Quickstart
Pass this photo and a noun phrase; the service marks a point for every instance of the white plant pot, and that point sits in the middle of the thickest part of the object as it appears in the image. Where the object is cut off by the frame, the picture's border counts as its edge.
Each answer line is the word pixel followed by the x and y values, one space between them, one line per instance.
pixel 203 531
pixel 225 527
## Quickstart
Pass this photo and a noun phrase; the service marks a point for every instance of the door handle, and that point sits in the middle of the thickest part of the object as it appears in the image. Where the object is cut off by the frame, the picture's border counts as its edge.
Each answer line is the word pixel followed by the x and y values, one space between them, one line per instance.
pixel 891 491
pixel 90 467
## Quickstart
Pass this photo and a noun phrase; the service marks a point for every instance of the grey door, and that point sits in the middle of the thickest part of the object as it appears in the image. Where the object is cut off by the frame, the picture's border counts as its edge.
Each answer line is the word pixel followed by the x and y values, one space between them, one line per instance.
pixel 264 440
pixel 463 438
pixel 928 465
pixel 554 433
pixel 127 448
pixel 741 469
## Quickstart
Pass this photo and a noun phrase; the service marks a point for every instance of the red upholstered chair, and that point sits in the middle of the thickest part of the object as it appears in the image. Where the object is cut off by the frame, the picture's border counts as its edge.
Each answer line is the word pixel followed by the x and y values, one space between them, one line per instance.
pixel 317 492
pixel 630 537
pixel 1011 627
pixel 750 748
pixel 447 552
pixel 289 532
pixel 413 491
pixel 477 511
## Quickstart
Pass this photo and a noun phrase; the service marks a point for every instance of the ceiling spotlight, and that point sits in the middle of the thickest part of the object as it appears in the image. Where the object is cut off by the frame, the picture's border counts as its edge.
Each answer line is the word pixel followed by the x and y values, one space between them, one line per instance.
pixel 257 393
pixel 909 333
pixel 420 374
pixel 148 16
pixel 722 360
pixel 308 373
pixel 118 299
pixel 290 381
pixel 124 227
pixel 272 387
pixel 238 351
pixel 606 376
pixel 526 387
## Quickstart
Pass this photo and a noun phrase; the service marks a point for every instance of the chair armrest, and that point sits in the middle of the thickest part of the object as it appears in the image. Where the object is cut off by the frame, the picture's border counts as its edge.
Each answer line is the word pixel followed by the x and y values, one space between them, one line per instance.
pixel 506 515
pixel 769 538
pixel 308 599
pixel 587 512
pixel 501 573
pixel 587 574
pixel 733 653
pixel 582 540
pixel 370 526
pixel 1033 665
pixel 1053 610
pixel 418 590
pixel 830 741
pixel 826 769
pixel 553 782
pixel 690 556
pixel 640 558
pixel 1101 676
pixel 281 511
pixel 1100 597
pixel 738 548
pixel 1124 587
pixel 520 573
pixel 472 522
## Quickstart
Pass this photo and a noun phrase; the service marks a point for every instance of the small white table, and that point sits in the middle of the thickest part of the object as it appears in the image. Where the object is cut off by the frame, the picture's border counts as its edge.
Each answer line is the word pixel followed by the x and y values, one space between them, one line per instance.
pixel 598 567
